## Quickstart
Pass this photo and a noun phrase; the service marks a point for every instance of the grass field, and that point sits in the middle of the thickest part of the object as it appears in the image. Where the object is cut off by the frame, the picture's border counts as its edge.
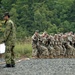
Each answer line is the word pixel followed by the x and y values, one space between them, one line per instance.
pixel 23 50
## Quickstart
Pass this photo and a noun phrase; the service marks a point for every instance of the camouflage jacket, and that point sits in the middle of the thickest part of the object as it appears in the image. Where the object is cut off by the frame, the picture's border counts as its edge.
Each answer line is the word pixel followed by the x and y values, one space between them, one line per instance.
pixel 10 33
pixel 35 39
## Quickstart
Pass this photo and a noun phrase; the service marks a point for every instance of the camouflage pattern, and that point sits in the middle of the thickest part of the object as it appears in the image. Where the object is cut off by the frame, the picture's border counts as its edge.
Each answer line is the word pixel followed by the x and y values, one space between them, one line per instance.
pixel 10 33
pixel 60 46
pixel 44 45
pixel 9 39
pixel 35 51
pixel 52 53
pixel 43 51
pixel 69 50
pixel 39 49
pixel 51 49
pixel 57 46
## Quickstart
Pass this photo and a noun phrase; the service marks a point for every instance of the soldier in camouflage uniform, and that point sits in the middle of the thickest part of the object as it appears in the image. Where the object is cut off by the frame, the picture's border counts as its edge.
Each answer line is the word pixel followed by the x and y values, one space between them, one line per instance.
pixel 56 47
pixel 51 49
pixel 43 46
pixel 69 38
pixel 64 49
pixel 60 45
pixel 9 39
pixel 68 45
pixel 70 50
pixel 35 40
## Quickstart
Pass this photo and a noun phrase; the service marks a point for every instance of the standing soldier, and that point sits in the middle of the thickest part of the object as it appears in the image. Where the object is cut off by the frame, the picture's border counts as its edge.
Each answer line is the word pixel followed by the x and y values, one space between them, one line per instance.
pixel 9 39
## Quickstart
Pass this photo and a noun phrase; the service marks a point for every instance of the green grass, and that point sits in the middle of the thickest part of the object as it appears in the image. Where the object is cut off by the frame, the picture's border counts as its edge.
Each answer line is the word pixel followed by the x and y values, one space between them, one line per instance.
pixel 23 50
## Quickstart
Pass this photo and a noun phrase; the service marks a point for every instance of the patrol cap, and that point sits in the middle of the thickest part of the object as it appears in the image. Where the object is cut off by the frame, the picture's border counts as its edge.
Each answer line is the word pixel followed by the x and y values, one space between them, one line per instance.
pixel 6 14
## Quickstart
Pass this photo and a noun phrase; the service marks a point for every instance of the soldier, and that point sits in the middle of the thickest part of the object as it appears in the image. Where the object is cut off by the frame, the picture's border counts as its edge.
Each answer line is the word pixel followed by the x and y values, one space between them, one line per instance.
pixel 60 45
pixel 43 46
pixel 35 39
pixel 45 38
pixel 70 50
pixel 51 49
pixel 69 38
pixel 9 39
pixel 56 47
pixel 68 45
pixel 64 40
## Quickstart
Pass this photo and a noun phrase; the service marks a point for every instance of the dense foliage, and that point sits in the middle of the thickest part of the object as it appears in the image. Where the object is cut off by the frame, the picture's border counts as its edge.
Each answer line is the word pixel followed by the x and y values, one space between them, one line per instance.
pixel 53 16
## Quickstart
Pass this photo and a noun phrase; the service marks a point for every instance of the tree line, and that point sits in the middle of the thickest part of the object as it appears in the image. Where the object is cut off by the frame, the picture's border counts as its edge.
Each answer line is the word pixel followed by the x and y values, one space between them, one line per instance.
pixel 53 16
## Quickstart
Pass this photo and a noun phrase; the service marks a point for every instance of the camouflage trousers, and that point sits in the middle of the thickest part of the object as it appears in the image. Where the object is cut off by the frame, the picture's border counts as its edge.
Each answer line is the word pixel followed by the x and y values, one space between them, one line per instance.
pixel 9 55
pixel 51 50
pixel 43 52
pixel 34 51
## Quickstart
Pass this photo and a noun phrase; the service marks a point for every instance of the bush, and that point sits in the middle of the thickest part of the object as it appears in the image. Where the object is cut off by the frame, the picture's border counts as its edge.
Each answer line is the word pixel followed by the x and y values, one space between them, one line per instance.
pixel 23 50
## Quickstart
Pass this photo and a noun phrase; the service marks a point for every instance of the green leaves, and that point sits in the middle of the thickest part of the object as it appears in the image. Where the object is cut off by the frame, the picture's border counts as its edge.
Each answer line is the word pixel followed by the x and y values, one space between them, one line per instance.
pixel 52 16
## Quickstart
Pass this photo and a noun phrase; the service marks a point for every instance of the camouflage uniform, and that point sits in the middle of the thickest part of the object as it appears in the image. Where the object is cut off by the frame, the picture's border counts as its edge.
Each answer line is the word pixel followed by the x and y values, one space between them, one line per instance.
pixel 60 46
pixel 9 39
pixel 43 47
pixel 56 47
pixel 51 49
pixel 69 51
pixel 69 39
pixel 35 40
pixel 43 51
pixel 65 41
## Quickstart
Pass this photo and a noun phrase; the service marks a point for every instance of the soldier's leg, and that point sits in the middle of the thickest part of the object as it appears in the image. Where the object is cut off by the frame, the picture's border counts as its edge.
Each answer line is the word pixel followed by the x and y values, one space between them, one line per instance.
pixel 62 52
pixel 45 52
pixel 35 53
pixel 57 50
pixel 12 56
pixel 8 55
pixel 74 53
pixel 53 54
pixel 66 53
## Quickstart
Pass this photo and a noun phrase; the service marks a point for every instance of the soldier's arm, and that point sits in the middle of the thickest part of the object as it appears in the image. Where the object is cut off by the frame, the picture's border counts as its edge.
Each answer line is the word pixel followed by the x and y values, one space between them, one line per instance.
pixel 7 31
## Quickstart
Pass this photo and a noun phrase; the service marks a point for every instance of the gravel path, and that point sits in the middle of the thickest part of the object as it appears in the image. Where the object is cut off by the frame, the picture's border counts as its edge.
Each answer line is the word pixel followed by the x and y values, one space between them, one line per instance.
pixel 41 67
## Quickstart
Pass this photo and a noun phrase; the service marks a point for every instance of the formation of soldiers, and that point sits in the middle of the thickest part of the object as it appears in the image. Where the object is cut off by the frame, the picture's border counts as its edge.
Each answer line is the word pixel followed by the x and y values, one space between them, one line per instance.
pixel 53 46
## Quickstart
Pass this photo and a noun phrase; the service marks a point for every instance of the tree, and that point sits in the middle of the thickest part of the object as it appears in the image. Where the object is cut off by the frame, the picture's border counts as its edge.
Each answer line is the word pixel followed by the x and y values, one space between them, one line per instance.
pixel 52 16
